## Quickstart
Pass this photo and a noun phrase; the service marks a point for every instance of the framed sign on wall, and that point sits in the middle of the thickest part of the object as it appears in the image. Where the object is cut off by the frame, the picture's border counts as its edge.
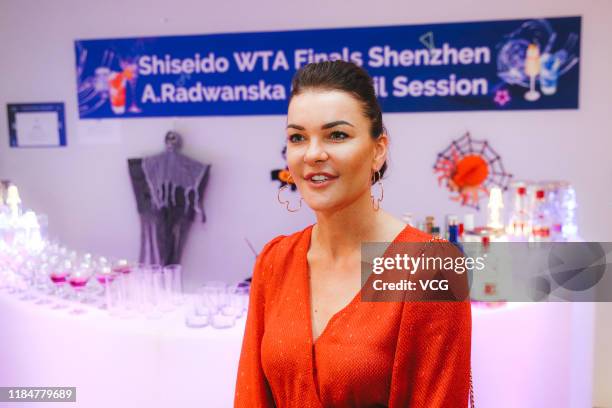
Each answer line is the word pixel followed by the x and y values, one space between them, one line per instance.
pixel 36 124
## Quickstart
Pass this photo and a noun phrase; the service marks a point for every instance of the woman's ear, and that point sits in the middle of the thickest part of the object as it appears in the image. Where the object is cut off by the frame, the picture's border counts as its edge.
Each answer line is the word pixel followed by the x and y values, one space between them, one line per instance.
pixel 380 152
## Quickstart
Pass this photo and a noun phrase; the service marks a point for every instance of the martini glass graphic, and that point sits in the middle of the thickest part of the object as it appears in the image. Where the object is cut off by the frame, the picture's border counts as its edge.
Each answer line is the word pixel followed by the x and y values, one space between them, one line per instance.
pixel 129 65
pixel 532 69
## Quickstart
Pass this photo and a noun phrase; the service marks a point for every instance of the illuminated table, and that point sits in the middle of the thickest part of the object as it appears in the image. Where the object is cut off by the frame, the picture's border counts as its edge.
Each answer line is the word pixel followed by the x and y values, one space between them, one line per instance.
pixel 117 362
pixel 524 355
pixel 533 355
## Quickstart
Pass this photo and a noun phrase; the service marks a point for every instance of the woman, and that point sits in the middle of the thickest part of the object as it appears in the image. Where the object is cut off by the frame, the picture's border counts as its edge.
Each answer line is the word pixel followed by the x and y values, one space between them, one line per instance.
pixel 309 340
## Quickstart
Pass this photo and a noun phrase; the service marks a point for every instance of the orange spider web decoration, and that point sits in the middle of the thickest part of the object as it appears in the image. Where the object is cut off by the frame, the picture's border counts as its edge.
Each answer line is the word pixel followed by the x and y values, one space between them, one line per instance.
pixel 469 168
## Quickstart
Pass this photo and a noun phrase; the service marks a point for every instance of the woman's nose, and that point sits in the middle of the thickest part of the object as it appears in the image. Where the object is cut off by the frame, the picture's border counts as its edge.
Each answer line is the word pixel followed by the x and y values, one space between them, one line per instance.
pixel 315 152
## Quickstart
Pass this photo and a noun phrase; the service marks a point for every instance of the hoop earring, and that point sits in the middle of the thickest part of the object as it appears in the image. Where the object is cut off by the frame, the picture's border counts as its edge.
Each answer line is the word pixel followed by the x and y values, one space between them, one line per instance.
pixel 286 202
pixel 376 201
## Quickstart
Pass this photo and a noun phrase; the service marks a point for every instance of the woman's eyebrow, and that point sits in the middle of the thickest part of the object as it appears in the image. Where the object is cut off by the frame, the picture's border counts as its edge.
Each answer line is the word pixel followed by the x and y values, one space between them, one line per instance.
pixel 325 126
pixel 336 123
pixel 298 127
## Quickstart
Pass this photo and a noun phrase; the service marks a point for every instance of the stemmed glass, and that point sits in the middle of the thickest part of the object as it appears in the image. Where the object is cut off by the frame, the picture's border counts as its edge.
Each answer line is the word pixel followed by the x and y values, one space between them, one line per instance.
pixel 105 277
pixel 532 69
pixel 12 263
pixel 42 282
pixel 123 270
pixel 16 278
pixel 78 280
pixel 27 270
pixel 58 276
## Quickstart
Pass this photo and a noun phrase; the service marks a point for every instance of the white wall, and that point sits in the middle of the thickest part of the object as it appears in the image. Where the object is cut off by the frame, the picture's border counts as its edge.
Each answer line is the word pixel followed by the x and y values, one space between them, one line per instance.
pixel 85 189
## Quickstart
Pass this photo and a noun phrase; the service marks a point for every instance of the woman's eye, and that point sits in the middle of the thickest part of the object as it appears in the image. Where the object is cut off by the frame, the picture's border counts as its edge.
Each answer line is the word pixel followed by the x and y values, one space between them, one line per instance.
pixel 295 138
pixel 337 135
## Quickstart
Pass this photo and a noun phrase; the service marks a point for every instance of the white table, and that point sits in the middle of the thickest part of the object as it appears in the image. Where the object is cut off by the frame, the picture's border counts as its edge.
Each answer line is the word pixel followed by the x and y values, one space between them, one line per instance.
pixel 533 355
pixel 117 362
pixel 524 355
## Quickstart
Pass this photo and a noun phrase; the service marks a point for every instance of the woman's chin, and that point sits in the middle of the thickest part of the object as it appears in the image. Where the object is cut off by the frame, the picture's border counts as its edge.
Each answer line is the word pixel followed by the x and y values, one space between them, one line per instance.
pixel 319 205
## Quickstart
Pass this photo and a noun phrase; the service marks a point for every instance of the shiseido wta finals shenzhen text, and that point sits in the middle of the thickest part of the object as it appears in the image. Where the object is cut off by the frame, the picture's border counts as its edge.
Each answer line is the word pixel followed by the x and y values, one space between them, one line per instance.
pixel 382 56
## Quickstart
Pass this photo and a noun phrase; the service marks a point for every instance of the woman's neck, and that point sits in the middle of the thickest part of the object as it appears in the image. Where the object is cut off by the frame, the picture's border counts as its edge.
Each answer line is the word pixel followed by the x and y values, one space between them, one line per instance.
pixel 341 232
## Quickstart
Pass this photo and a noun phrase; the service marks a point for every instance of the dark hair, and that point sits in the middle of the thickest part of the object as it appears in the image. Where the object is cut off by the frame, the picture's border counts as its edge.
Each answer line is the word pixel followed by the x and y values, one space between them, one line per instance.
pixel 348 77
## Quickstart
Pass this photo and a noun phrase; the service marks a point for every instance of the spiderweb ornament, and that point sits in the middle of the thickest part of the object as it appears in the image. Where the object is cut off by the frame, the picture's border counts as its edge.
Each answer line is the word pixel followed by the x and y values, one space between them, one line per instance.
pixel 470 168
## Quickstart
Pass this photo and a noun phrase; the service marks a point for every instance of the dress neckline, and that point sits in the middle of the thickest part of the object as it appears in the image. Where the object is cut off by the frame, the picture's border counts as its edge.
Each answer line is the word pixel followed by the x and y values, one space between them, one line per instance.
pixel 343 310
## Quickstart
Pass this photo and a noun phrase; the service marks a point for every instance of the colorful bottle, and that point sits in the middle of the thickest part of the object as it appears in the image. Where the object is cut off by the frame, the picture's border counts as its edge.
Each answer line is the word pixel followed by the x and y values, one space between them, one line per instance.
pixel 453 229
pixel 518 225
pixel 540 222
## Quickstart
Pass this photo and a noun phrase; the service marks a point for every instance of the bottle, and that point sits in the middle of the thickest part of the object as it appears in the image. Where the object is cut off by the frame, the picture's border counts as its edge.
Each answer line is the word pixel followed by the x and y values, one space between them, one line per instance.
pixel 518 225
pixel 429 224
pixel 567 209
pixel 495 207
pixel 421 226
pixel 408 219
pixel 468 222
pixel 552 191
pixel 490 288
pixel 453 229
pixel 540 220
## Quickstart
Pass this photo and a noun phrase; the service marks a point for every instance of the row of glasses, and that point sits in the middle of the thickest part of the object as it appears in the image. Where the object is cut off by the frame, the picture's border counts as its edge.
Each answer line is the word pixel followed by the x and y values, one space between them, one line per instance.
pixel 141 289
pixel 47 273
pixel 218 304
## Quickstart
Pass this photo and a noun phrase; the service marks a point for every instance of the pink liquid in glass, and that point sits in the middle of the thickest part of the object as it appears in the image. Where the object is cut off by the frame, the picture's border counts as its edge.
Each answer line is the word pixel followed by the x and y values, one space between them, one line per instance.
pixel 105 278
pixel 122 269
pixel 78 282
pixel 58 277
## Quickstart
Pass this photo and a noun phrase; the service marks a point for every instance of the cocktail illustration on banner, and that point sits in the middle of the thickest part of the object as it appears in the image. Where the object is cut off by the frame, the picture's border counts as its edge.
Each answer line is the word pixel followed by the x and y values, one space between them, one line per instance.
pixel 549 72
pixel 533 54
pixel 116 87
pixel 129 65
pixel 532 69
pixel 93 90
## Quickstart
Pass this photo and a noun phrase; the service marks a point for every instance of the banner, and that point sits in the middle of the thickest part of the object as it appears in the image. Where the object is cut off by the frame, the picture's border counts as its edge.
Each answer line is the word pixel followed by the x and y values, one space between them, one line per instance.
pixel 493 65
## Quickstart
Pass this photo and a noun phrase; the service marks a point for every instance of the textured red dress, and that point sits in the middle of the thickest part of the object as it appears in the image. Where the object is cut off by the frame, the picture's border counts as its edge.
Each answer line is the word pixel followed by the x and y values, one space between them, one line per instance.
pixel 370 354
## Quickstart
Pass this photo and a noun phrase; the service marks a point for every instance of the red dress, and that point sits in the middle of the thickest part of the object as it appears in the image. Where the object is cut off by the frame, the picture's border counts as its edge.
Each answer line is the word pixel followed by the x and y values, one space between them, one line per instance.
pixel 370 354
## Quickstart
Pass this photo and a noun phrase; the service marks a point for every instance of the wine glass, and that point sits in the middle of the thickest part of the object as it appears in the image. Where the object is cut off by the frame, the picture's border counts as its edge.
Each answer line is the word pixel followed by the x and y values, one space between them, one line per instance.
pixel 125 296
pixel 532 69
pixel 27 270
pixel 58 276
pixel 78 279
pixel 42 277
pixel 105 277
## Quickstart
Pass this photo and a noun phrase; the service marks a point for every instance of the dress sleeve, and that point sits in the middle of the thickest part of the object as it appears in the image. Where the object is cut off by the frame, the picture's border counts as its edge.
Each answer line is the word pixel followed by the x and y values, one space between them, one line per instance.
pixel 431 366
pixel 252 388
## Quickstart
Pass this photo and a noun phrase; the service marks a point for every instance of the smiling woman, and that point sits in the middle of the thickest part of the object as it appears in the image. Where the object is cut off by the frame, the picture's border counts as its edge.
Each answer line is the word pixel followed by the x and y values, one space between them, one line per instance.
pixel 309 341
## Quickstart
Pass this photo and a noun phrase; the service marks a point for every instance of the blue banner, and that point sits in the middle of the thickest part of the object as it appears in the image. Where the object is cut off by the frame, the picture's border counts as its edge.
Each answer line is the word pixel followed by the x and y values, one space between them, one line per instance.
pixel 493 65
